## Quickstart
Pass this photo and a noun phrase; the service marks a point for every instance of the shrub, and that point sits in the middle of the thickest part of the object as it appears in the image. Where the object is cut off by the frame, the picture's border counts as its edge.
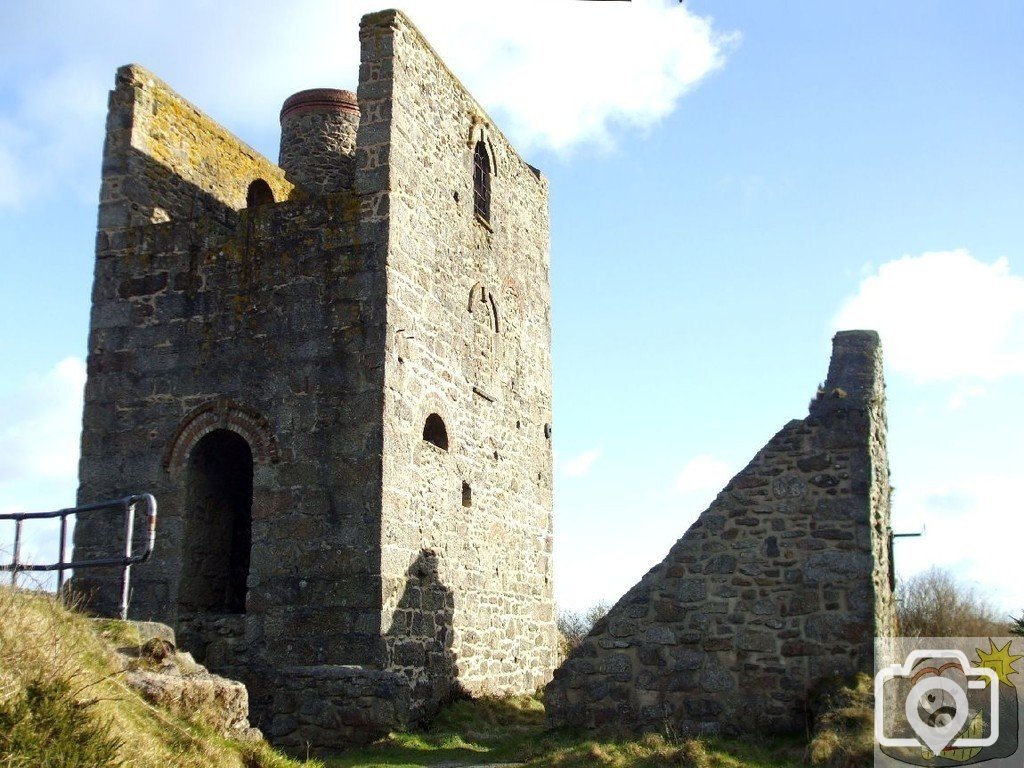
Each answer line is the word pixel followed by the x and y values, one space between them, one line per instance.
pixel 935 604
pixel 1017 626
pixel 573 626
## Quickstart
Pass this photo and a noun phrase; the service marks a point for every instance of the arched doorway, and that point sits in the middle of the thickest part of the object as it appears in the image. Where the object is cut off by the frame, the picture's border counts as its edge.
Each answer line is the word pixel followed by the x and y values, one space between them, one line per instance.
pixel 259 193
pixel 217 526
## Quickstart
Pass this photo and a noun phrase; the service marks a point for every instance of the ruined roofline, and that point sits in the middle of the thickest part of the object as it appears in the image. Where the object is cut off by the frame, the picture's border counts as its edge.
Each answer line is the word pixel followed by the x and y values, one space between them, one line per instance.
pixel 345 562
pixel 137 75
pixel 164 159
pixel 395 18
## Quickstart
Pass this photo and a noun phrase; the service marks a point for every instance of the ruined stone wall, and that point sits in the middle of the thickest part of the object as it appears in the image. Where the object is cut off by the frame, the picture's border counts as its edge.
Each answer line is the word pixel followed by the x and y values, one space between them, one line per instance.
pixel 164 159
pixel 468 339
pixel 781 582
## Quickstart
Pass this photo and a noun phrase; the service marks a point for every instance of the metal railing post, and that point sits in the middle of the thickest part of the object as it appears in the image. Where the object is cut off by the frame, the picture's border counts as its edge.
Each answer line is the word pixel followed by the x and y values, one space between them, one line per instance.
pixel 17 553
pixel 129 529
pixel 63 551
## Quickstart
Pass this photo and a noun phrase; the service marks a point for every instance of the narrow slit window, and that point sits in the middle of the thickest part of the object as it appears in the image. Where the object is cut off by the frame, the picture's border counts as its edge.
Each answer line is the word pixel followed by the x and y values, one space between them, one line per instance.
pixel 467 495
pixel 482 182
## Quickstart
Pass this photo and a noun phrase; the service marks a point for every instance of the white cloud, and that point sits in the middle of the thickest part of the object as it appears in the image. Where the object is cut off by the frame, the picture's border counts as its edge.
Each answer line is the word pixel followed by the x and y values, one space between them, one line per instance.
pixel 581 465
pixel 555 74
pixel 40 424
pixel 973 527
pixel 944 316
pixel 703 473
pixel 564 73
pixel 962 394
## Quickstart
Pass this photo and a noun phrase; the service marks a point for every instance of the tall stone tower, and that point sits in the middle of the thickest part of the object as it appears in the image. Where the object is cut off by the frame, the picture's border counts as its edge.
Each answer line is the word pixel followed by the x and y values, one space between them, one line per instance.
pixel 334 374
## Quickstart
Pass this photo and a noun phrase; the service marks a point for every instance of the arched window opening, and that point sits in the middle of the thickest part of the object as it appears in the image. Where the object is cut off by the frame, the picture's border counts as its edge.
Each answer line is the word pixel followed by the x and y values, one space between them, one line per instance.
pixel 217 526
pixel 259 193
pixel 435 432
pixel 482 181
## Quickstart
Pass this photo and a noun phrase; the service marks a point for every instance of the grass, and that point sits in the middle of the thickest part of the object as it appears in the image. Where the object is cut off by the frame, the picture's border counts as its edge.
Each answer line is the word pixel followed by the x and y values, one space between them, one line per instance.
pixel 512 731
pixel 45 726
pixel 63 702
pixel 844 734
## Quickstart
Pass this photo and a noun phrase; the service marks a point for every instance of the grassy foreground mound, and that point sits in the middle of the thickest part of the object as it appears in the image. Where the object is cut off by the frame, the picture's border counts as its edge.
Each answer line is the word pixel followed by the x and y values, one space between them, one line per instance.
pixel 63 702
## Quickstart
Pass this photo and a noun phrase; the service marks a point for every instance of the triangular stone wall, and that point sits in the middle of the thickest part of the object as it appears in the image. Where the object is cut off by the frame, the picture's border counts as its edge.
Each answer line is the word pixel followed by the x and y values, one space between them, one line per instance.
pixel 781 582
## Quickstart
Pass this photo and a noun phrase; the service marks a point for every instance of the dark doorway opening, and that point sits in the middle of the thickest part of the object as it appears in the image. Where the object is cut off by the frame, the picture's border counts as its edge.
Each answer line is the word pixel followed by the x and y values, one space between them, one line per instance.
pixel 218 525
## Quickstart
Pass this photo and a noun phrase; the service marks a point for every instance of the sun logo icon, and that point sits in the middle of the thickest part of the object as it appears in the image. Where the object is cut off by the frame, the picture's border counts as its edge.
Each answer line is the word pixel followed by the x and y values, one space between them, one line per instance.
pixel 999 660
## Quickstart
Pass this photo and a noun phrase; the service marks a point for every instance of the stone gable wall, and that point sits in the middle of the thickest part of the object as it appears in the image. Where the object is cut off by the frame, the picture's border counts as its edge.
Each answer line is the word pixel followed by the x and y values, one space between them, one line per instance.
pixel 780 583
pixel 468 338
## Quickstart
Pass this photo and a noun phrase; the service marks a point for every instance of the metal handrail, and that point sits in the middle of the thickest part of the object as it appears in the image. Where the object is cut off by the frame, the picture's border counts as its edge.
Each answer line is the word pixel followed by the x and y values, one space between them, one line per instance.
pixel 125 562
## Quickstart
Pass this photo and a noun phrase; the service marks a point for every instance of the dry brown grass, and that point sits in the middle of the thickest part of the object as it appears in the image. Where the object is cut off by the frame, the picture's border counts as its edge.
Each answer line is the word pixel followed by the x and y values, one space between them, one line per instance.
pixel 844 718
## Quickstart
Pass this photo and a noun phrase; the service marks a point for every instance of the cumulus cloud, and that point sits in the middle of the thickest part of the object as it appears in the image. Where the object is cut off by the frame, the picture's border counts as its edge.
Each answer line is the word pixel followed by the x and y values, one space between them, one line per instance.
pixel 40 426
pixel 580 465
pixel 944 316
pixel 555 73
pixel 703 473
pixel 563 73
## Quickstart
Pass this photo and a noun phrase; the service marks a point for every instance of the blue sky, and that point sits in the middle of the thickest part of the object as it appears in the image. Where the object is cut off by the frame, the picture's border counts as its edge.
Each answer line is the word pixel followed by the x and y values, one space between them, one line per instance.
pixel 731 182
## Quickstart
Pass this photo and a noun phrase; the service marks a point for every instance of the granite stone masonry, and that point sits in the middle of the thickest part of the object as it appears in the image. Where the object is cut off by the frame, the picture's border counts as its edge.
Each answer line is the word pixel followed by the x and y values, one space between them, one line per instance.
pixel 318 139
pixel 781 583
pixel 335 376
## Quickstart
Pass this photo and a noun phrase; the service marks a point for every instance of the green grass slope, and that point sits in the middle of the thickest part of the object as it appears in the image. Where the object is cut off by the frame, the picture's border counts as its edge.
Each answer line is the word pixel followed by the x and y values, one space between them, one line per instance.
pixel 512 731
pixel 63 703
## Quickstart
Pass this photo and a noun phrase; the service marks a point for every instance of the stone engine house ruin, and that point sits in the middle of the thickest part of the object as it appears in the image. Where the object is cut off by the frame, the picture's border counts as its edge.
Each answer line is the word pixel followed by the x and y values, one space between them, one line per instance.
pixel 334 373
